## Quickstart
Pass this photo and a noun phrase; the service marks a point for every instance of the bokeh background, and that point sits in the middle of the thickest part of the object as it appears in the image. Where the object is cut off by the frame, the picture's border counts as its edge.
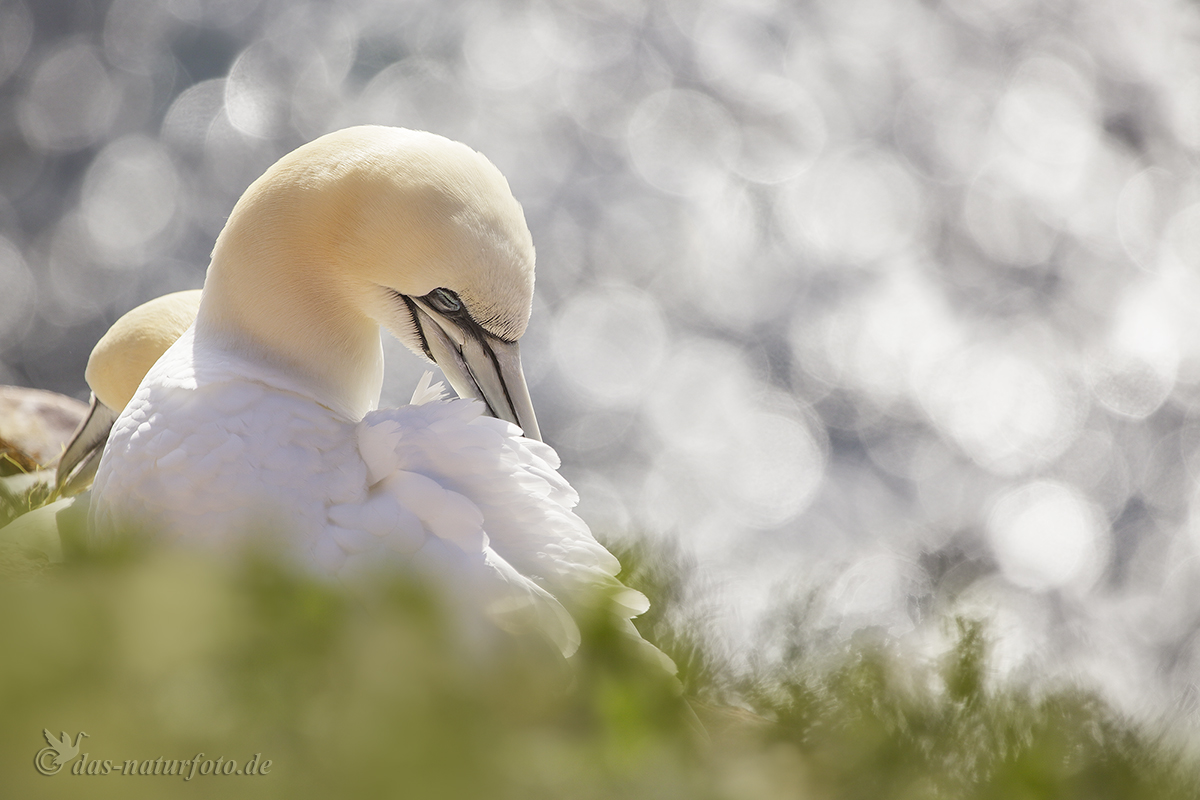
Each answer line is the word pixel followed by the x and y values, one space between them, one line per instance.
pixel 890 300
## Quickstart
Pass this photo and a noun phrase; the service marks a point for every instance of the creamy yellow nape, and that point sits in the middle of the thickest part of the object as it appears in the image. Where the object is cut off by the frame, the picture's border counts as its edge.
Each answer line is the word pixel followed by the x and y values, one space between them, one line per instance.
pixel 126 352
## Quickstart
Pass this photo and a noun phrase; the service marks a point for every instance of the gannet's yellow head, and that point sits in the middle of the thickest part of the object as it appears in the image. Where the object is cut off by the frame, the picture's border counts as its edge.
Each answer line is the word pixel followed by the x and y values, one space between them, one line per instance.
pixel 129 349
pixel 375 226
pixel 115 368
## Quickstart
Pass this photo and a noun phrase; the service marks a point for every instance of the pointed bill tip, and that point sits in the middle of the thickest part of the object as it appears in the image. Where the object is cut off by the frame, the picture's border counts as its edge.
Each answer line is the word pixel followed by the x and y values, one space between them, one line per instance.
pixel 512 391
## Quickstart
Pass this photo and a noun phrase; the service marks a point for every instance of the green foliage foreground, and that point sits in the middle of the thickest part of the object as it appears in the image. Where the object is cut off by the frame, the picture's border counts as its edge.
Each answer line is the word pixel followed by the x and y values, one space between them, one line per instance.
pixel 373 690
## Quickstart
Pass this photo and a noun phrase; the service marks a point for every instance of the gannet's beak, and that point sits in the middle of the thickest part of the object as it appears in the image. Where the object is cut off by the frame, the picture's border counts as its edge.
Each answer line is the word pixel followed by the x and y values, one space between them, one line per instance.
pixel 79 461
pixel 478 365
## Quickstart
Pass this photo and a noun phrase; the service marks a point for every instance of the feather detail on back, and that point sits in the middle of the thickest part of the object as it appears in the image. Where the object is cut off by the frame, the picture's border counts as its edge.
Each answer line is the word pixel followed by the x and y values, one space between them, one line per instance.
pixel 525 522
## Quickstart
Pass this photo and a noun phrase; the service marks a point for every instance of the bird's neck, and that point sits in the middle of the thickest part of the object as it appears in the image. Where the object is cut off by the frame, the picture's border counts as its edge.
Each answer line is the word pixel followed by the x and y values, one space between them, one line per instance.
pixel 281 305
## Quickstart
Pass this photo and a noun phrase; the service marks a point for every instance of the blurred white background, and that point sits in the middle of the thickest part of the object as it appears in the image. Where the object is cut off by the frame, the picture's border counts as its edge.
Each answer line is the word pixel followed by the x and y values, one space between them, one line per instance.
pixel 898 299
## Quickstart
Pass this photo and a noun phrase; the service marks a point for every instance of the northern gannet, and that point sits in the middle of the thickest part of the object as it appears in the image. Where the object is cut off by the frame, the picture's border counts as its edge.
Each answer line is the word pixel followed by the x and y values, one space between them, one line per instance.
pixel 263 414
pixel 114 370
pixel 115 367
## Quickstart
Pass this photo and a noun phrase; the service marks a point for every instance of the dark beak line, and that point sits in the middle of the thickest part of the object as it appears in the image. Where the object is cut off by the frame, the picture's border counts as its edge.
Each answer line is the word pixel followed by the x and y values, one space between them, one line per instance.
pixel 469 357
pixel 475 380
pixel 472 330
pixel 503 383
pixel 79 460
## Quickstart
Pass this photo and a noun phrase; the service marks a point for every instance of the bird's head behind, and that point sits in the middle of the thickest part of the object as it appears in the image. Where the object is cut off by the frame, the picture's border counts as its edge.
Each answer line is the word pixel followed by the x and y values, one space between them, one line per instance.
pixel 129 349
pixel 373 226
pixel 115 368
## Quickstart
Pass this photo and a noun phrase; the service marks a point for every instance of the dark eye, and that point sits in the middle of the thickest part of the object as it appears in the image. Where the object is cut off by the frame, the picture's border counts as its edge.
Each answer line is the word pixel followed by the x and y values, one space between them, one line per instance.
pixel 444 300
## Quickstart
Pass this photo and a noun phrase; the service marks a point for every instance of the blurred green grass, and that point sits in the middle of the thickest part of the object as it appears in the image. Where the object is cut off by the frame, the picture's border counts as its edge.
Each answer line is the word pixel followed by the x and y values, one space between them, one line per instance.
pixel 376 689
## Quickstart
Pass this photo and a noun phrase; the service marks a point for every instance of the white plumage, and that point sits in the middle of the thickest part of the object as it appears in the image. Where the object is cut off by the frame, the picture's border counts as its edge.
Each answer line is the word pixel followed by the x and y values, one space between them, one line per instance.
pixel 262 414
